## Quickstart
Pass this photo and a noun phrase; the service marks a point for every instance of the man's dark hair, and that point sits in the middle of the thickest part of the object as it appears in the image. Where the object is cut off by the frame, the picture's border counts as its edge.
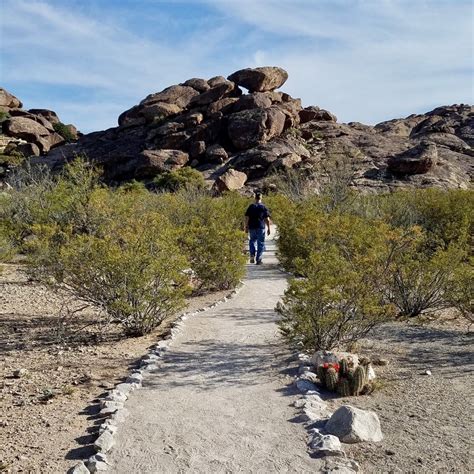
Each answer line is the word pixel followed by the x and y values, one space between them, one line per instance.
pixel 258 194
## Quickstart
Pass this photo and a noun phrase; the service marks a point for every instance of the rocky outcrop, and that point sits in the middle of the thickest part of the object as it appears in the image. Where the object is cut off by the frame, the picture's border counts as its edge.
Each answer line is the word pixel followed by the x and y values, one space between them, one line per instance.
pixel 213 126
pixel 209 122
pixel 417 160
pixel 8 101
pixel 33 132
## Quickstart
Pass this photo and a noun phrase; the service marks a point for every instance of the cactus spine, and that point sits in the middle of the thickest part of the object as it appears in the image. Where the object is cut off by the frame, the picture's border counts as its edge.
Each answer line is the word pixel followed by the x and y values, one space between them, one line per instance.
pixel 331 379
pixel 344 388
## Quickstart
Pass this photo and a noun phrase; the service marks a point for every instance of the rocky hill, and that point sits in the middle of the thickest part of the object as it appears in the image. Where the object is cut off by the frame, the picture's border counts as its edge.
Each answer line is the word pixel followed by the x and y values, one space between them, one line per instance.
pixel 241 139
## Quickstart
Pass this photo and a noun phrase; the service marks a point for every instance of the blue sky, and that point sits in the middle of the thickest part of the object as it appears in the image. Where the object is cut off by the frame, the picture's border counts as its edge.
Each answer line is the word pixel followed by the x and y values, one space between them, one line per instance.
pixel 364 60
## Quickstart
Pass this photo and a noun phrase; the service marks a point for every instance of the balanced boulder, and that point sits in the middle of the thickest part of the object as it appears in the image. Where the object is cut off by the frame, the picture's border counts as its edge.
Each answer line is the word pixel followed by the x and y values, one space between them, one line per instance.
pixel 260 79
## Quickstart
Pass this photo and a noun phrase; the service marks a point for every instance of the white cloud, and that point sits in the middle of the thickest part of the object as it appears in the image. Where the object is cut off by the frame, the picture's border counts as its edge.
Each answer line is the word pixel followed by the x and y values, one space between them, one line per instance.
pixel 44 44
pixel 367 60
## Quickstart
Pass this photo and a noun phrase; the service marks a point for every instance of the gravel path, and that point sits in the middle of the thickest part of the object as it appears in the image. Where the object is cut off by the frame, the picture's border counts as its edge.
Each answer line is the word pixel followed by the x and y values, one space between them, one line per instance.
pixel 220 401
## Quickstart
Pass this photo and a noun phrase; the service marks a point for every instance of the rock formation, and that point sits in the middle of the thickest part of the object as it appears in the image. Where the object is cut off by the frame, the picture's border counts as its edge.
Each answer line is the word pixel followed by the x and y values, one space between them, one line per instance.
pixel 213 126
pixel 33 132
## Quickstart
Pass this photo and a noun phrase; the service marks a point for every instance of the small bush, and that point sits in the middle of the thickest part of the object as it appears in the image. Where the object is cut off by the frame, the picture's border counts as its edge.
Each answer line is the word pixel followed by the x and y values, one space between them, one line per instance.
pixel 337 300
pixel 134 271
pixel 4 116
pixel 179 179
pixel 418 282
pixel 63 130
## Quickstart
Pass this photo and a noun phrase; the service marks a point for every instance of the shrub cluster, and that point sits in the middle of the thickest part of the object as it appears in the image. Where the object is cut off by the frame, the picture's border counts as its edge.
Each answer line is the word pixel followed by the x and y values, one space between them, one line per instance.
pixel 63 130
pixel 131 252
pixel 372 258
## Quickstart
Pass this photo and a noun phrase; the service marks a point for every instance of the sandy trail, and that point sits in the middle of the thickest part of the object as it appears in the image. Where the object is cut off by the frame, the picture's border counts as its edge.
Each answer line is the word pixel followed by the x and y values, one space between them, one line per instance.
pixel 220 400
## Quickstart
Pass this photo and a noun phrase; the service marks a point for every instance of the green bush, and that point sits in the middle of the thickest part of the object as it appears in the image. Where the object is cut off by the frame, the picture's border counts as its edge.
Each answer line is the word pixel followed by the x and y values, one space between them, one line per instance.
pixel 446 216
pixel 419 282
pixel 63 130
pixel 460 293
pixel 38 197
pixel 211 235
pixel 178 179
pixel 406 252
pixel 134 271
pixel 85 238
pixel 337 299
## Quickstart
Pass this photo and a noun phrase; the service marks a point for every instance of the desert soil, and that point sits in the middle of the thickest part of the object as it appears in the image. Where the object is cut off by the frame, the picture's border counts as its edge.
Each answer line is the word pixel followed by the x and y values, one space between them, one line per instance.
pixel 46 415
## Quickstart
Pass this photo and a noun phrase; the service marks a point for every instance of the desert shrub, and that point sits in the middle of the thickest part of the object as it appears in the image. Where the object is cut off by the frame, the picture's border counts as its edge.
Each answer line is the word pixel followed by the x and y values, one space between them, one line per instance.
pixel 446 216
pixel 422 252
pixel 79 233
pixel 418 282
pixel 38 197
pixel 337 300
pixel 63 130
pixel 134 271
pixel 178 179
pixel 295 184
pixel 211 235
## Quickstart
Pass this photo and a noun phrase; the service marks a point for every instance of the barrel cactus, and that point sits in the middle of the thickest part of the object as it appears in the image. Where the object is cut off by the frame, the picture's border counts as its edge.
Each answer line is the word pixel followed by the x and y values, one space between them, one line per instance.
pixel 359 379
pixel 344 367
pixel 331 378
pixel 344 387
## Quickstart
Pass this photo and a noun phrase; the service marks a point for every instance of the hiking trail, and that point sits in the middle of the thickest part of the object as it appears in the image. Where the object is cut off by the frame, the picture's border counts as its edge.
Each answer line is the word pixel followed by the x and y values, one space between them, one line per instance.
pixel 220 400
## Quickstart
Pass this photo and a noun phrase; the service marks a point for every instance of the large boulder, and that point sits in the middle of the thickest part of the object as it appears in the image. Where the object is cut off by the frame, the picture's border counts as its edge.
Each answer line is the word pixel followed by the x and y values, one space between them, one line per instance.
pixel 153 162
pixel 32 132
pixel 178 95
pixel 201 85
pixel 216 154
pixel 231 180
pixel 159 111
pixel 249 128
pixel 224 106
pixel 252 101
pixel 317 114
pixel 353 425
pixel 49 115
pixel 257 161
pixel 417 160
pixel 260 79
pixel 9 101
pixel 214 93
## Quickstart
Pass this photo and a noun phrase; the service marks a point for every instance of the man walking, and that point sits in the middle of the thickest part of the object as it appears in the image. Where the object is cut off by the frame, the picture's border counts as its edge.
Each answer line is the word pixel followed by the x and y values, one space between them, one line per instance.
pixel 256 218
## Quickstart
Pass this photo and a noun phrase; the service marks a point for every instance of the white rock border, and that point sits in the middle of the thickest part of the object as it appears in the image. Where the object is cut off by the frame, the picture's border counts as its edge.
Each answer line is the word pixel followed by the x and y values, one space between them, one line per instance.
pixel 112 404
